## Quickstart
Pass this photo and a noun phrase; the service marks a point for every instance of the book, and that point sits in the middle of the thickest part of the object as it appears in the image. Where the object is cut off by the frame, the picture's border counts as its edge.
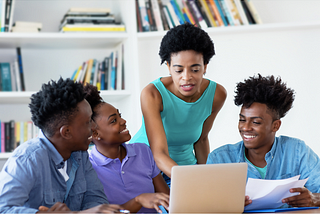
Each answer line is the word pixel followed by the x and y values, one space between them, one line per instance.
pixel 101 76
pixel 88 10
pixel 13 77
pixel 107 68
pixel 21 132
pixel 177 11
pixel 2 14
pixel 7 15
pixel 193 15
pixel 23 88
pixel 221 12
pixel 247 12
pixel 203 14
pixel 24 29
pixel 189 14
pixel 3 147
pixel 122 69
pixel 253 11
pixel 244 19
pixel 95 73
pixel 227 12
pixel 208 13
pixel 27 24
pixel 163 16
pixel 7 136
pixel 168 16
pixel 17 134
pixel 144 16
pixel 216 12
pixel 88 72
pixel 233 12
pixel 139 24
pixel 12 140
pixel 93 69
pixel 79 74
pixel 119 67
pixel 5 76
pixel 172 14
pixel 197 13
pixel 111 72
pixel 93 28
pixel 157 15
pixel 153 26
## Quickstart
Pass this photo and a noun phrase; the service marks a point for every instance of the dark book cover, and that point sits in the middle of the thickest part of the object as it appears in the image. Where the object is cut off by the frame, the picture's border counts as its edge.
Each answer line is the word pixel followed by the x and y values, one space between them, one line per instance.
pixel 247 12
pixel 153 26
pixel 203 14
pixel 139 24
pixel 106 71
pixel 20 69
pixel 192 13
pixel 12 136
pixel 7 15
pixel 7 136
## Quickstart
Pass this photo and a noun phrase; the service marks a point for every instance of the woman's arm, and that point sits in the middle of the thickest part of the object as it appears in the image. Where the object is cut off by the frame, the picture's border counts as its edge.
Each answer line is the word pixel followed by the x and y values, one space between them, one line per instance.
pixel 201 147
pixel 151 105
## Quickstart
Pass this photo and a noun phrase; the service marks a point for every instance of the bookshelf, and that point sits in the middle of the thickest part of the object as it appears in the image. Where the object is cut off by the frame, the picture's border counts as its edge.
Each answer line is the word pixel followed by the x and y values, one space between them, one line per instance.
pixel 284 45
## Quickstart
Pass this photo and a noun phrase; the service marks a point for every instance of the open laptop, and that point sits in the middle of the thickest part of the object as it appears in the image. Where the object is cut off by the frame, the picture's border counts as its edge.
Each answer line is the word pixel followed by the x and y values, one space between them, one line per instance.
pixel 212 188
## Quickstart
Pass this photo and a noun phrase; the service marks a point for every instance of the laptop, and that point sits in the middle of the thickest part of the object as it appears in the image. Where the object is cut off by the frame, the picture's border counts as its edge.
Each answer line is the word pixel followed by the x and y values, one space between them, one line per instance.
pixel 212 188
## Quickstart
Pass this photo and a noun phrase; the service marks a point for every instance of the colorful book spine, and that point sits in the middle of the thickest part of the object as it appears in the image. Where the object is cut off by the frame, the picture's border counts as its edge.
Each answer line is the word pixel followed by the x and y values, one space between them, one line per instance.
pixel 5 76
pixel 177 11
pixel 144 16
pixel 197 13
pixel 23 88
pixel 221 12
pixel 3 138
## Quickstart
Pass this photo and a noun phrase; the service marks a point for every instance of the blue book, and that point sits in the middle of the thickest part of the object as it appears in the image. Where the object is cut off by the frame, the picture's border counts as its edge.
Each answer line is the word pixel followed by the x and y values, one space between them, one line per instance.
pixel 5 76
pixel 102 77
pixel 218 4
pixel 113 71
pixel 93 69
pixel 177 11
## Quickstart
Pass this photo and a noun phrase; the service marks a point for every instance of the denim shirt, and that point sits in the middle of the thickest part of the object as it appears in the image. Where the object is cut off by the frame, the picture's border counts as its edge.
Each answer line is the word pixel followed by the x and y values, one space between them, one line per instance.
pixel 30 178
pixel 288 157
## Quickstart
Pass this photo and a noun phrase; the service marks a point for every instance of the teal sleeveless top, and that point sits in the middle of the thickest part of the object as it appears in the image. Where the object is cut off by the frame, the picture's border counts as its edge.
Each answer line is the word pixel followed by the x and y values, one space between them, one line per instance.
pixel 182 122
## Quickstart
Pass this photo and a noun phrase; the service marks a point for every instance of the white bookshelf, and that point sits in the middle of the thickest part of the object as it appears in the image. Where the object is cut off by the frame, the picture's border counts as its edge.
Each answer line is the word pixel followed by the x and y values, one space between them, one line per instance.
pixel 284 45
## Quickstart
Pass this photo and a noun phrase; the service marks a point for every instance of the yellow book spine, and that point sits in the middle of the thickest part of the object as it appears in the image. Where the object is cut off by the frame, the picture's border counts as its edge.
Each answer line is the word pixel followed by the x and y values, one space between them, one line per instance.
pixel 208 13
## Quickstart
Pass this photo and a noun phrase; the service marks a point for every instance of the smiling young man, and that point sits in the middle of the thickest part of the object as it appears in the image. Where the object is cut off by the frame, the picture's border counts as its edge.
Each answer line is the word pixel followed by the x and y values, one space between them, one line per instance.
pixel 52 172
pixel 264 101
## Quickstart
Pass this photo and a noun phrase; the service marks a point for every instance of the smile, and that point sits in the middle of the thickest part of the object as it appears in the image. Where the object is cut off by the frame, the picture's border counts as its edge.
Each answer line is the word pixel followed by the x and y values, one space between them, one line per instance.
pixel 124 130
pixel 249 136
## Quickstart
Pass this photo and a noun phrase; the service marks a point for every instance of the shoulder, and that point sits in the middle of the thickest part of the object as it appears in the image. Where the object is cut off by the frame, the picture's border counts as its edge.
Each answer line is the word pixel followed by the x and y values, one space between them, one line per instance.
pixel 226 153
pixel 31 149
pixel 291 143
pixel 220 95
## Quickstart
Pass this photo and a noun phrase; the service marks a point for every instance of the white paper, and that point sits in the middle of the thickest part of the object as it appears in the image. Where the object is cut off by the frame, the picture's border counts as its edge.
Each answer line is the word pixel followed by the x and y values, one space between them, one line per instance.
pixel 268 194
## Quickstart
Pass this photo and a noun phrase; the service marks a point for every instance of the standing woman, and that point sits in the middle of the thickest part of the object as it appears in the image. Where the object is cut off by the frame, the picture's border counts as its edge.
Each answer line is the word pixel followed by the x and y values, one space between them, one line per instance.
pixel 179 110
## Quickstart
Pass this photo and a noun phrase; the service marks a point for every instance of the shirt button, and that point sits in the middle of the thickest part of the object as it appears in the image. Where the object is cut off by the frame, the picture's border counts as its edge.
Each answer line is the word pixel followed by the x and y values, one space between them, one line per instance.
pixel 115 161
pixel 122 172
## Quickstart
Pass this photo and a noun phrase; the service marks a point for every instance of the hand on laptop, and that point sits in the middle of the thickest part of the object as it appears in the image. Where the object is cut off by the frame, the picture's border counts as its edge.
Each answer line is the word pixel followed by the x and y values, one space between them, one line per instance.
pixel 304 199
pixel 247 201
pixel 154 200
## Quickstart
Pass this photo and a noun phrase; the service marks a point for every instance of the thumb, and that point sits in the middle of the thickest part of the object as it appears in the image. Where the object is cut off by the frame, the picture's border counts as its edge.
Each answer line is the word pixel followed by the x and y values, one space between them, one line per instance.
pixel 43 208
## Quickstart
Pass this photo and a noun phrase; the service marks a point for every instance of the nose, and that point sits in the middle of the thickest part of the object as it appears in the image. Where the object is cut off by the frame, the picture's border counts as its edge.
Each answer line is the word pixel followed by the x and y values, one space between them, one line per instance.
pixel 123 121
pixel 186 75
pixel 245 126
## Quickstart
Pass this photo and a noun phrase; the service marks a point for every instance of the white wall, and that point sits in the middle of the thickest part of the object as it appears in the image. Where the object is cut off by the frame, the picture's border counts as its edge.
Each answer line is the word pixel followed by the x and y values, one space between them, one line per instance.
pixel 290 52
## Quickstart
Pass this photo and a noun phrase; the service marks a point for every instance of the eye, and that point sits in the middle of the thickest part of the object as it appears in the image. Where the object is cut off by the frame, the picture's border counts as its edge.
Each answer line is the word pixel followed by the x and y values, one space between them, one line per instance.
pixel 258 123
pixel 195 71
pixel 178 71
pixel 242 120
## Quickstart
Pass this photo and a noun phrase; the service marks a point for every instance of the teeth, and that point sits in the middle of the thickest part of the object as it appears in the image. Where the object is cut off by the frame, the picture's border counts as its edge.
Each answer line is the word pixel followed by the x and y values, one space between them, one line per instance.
pixel 249 136
pixel 90 138
pixel 124 130
pixel 187 86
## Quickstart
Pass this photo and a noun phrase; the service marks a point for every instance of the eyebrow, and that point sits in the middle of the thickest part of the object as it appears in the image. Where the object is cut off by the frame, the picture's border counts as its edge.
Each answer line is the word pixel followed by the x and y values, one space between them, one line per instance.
pixel 251 117
pixel 112 116
pixel 194 65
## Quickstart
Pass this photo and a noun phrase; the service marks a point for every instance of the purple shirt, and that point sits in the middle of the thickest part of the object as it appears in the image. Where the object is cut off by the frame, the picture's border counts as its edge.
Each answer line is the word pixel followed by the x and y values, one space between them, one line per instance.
pixel 126 180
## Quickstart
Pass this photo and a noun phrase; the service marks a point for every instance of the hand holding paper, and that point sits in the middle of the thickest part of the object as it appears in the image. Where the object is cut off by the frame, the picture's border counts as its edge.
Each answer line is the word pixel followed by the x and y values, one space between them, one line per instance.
pixel 271 192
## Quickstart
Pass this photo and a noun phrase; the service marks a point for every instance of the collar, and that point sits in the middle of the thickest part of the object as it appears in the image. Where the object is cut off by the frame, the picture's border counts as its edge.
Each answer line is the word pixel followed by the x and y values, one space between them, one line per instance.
pixel 269 154
pixel 52 151
pixel 102 160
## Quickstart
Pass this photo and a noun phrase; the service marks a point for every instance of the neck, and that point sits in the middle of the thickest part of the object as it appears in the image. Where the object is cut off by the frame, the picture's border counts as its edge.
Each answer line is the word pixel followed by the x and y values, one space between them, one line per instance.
pixel 111 151
pixel 59 144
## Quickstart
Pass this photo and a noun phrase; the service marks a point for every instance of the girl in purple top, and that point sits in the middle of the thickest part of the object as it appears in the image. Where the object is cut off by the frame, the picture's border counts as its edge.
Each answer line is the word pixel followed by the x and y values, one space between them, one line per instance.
pixel 128 172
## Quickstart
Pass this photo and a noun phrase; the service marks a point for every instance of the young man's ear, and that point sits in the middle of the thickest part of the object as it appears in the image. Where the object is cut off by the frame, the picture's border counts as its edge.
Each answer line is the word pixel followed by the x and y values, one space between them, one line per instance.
pixel 65 131
pixel 276 125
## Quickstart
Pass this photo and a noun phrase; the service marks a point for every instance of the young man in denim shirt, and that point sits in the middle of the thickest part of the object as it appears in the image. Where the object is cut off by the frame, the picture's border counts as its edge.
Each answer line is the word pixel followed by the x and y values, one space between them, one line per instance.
pixel 264 101
pixel 52 172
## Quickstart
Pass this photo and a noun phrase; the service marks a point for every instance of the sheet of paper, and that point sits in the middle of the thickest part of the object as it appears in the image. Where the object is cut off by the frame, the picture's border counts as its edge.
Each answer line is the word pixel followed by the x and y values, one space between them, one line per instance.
pixel 268 194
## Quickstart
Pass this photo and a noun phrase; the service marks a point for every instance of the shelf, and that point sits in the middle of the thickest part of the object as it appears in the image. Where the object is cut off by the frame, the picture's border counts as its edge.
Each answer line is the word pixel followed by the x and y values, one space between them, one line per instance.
pixel 24 97
pixel 5 155
pixel 240 29
pixel 61 40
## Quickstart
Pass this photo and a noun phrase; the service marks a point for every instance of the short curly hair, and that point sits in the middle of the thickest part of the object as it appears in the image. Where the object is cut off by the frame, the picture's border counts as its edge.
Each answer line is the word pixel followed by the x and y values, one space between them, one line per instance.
pixel 266 90
pixel 94 99
pixel 186 37
pixel 55 104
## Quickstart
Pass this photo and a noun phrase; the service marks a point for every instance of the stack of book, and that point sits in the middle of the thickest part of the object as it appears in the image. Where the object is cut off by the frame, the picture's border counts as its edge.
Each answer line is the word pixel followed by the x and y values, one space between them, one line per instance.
pixel 6 15
pixel 106 74
pixel 11 74
pixel 159 15
pixel 14 133
pixel 89 20
pixel 25 27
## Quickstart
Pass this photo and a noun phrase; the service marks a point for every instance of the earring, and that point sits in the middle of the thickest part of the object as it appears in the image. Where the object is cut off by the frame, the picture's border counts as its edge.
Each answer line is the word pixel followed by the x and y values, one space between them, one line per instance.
pixel 99 138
